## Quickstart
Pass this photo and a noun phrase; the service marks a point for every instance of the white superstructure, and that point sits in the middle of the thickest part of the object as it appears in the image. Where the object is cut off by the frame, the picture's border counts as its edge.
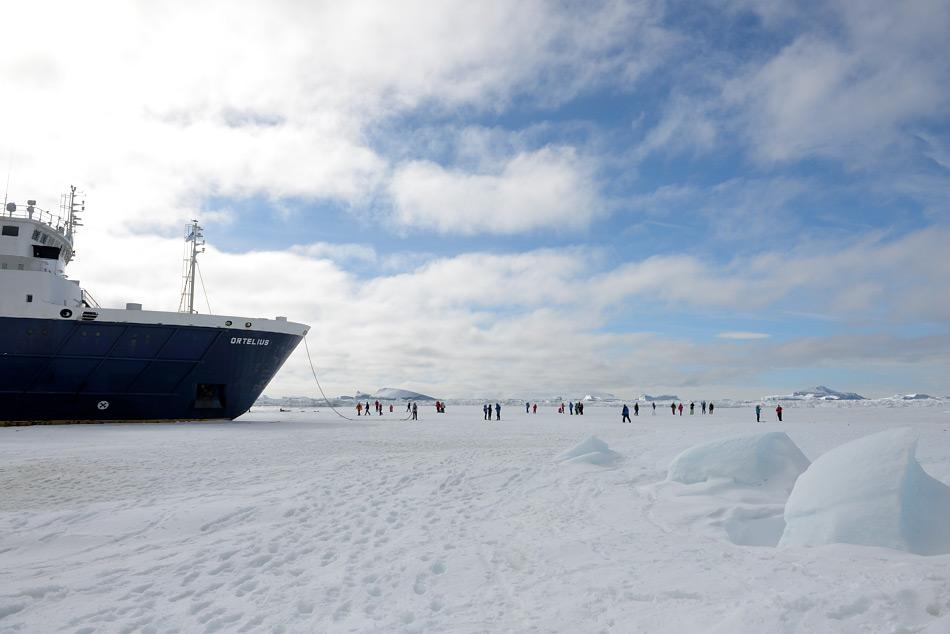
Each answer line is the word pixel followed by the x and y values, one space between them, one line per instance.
pixel 36 246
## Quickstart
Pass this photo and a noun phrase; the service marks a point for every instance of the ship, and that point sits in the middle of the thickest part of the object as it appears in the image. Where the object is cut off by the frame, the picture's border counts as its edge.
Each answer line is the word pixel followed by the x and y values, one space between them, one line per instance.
pixel 65 359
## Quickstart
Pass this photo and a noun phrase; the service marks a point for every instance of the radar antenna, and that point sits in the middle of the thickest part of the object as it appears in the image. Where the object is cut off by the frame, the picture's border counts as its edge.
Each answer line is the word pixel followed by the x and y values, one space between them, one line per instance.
pixel 194 244
pixel 72 208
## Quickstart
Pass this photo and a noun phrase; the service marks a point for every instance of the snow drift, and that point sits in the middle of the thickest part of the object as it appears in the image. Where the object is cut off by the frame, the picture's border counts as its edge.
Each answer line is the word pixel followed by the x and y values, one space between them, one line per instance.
pixel 760 459
pixel 871 492
pixel 593 450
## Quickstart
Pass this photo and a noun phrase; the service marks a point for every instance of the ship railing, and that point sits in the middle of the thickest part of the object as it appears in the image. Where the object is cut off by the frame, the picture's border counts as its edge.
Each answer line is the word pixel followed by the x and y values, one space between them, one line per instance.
pixel 35 213
pixel 89 301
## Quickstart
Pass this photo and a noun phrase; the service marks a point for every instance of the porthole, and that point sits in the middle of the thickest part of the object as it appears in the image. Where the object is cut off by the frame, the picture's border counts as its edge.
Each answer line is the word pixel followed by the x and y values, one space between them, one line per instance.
pixel 65 313
pixel 228 322
pixel 247 324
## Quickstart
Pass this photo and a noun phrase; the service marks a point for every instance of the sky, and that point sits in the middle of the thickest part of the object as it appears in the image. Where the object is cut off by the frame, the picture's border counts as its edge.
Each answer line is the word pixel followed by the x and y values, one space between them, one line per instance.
pixel 529 199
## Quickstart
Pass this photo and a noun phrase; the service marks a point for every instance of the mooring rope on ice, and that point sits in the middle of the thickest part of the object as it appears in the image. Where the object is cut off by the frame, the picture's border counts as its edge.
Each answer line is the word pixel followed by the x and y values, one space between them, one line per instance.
pixel 329 404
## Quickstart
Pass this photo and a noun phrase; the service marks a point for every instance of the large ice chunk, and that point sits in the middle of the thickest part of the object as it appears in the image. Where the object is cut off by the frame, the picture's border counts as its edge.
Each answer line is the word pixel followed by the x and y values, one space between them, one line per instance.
pixel 872 492
pixel 760 459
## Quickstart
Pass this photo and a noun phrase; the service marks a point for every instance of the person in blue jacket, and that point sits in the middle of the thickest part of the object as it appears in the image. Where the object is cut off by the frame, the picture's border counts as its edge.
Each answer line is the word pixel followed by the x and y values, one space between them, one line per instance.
pixel 497 411
pixel 626 414
pixel 758 413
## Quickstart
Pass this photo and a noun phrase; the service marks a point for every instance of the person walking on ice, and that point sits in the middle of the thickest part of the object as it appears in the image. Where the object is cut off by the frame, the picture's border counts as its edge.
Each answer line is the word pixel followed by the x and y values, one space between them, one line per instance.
pixel 415 412
pixel 681 409
pixel 778 410
pixel 654 409
pixel 692 406
pixel 673 408
pixel 497 411
pixel 758 413
pixel 703 406
pixel 626 414
pixel 636 409
pixel 710 409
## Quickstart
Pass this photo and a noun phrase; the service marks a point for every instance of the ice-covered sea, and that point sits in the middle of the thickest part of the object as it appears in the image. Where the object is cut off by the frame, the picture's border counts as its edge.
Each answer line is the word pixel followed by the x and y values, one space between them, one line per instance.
pixel 303 522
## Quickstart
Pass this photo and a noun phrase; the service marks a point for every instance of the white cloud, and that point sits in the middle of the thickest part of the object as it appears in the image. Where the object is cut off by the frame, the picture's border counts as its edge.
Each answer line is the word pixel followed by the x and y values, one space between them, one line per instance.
pixel 743 335
pixel 338 252
pixel 155 108
pixel 852 93
pixel 551 187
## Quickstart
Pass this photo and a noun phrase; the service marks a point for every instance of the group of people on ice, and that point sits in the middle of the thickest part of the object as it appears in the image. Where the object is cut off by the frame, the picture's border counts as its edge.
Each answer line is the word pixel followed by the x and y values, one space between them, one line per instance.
pixel 758 413
pixel 364 409
pixel 573 408
pixel 487 411
pixel 411 408
pixel 710 407
pixel 674 408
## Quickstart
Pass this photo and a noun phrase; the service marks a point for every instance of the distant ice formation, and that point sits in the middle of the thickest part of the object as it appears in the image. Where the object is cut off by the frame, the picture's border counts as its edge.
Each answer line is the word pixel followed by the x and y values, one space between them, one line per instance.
pixel 660 397
pixel 395 394
pixel 913 397
pixel 761 459
pixel 872 492
pixel 819 392
pixel 595 395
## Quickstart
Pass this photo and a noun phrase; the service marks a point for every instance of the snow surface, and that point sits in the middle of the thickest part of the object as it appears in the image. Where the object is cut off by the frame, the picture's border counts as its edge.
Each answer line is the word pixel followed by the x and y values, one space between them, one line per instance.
pixel 303 522
pixel 873 492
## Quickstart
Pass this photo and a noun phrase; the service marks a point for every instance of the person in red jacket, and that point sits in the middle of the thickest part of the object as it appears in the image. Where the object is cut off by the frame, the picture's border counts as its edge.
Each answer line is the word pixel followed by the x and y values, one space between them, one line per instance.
pixel 778 410
pixel 681 409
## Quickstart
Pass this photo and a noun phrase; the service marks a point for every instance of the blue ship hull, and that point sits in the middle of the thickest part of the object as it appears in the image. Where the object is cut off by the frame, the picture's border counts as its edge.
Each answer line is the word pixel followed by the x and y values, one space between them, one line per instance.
pixel 75 371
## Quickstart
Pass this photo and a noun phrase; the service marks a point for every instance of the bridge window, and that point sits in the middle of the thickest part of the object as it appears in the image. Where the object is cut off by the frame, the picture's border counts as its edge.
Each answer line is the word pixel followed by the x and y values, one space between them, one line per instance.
pixel 11 230
pixel 36 235
pixel 46 252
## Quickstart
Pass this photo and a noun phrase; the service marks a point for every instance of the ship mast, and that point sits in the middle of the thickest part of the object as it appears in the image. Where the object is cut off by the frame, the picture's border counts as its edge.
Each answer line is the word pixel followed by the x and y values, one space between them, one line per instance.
pixel 73 209
pixel 194 238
